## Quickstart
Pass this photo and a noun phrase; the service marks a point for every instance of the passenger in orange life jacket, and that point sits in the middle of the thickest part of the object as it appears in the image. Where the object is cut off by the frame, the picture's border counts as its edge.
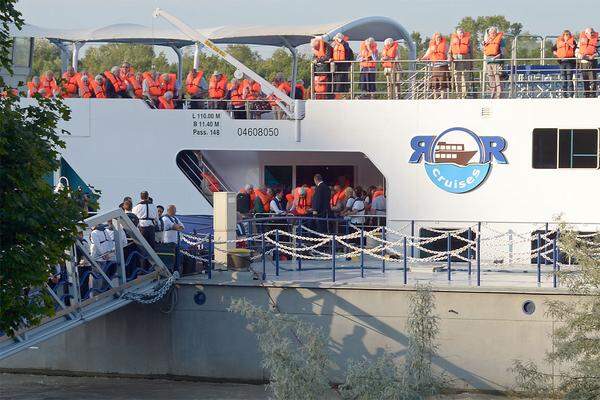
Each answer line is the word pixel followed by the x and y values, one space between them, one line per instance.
pixel 217 91
pixel 98 86
pixel 262 200
pixel 564 51
pixel 115 86
pixel 235 96
pixel 322 55
pixel 282 84
pixel 493 43
pixel 196 89
pixel 69 83
pixel 342 56
pixel 460 54
pixel 300 90
pixel 368 66
pixel 125 72
pixel 391 68
pixel 48 83
pixel 150 87
pixel 83 87
pixel 252 91
pixel 165 102
pixel 437 54
pixel 587 53
pixel 33 86
pixel 168 83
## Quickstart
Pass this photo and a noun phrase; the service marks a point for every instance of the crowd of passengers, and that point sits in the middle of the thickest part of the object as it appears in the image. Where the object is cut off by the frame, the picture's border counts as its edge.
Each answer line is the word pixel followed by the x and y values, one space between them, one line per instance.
pixel 162 90
pixel 161 229
pixel 450 60
pixel 340 200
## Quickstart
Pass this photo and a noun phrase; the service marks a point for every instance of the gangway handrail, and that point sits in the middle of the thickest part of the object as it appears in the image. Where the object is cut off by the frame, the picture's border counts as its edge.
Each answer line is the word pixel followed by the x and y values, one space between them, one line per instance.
pixel 211 171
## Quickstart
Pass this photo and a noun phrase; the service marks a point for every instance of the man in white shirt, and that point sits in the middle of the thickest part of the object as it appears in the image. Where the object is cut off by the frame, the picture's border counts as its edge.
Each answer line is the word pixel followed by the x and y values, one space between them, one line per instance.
pixel 100 244
pixel 172 226
pixel 277 205
pixel 148 216
pixel 378 208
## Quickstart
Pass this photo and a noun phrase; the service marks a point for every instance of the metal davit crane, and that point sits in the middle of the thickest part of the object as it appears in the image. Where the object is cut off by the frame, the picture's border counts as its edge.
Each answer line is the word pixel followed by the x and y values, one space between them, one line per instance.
pixel 294 109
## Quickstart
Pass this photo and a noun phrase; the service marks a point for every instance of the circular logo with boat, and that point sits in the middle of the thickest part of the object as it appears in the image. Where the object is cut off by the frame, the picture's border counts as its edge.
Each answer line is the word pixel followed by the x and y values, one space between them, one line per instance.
pixel 458 160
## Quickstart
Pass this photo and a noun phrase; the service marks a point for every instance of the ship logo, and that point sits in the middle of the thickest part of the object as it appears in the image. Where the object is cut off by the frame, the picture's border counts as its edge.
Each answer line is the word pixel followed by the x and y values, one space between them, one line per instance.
pixel 458 160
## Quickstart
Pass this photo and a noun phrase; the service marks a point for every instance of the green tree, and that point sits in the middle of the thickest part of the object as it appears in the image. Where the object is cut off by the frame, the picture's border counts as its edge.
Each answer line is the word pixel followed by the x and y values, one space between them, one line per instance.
pixel 36 224
pixel 141 57
pixel 478 26
pixel 46 57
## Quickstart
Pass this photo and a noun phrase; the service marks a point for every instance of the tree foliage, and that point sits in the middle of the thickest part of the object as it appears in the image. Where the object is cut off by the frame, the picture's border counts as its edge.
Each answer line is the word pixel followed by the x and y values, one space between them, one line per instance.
pixel 142 57
pixel 293 351
pixel 576 336
pixel 37 225
pixel 46 57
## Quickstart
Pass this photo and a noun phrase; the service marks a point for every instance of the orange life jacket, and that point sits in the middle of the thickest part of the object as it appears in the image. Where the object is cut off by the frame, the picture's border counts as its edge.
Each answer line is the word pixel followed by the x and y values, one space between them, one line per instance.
pixel 32 89
pixel 252 92
pixel 302 203
pixel 339 51
pixel 320 83
pixel 264 199
pixel 565 48
pixel 376 194
pixel 99 90
pixel 390 52
pixel 213 183
pixel 337 198
pixel 192 82
pixel 285 88
pixel 136 86
pixel 165 104
pixel 49 85
pixel 117 83
pixel 236 96
pixel 321 51
pixel 217 88
pixel 366 55
pixel 125 75
pixel 588 47
pixel 494 46
pixel 153 86
pixel 69 85
pixel 460 46
pixel 438 51
pixel 170 86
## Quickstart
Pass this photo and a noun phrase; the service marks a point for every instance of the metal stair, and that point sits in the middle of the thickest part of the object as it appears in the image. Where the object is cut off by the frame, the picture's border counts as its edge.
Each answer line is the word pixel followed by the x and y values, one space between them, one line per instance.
pixel 113 287
pixel 197 169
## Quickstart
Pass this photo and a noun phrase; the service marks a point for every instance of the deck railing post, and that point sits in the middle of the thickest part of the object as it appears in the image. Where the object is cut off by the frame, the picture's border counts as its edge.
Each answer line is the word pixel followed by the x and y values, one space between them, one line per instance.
pixel 479 254
pixel 469 252
pixel 276 252
pixel 383 249
pixel 333 257
pixel 404 247
pixel 351 80
pixel 412 239
pixel 264 257
pixel 362 252
pixel 210 254
pixel 554 263
pixel 448 251
pixel 539 258
pixel 299 231
pixel 546 241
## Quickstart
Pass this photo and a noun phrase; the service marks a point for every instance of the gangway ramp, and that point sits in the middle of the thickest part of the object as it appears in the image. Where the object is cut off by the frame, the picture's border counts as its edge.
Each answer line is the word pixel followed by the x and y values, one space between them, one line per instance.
pixel 95 287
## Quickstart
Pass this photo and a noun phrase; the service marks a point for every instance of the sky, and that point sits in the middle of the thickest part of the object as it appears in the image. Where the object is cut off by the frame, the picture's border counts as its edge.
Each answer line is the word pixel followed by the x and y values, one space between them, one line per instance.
pixel 426 16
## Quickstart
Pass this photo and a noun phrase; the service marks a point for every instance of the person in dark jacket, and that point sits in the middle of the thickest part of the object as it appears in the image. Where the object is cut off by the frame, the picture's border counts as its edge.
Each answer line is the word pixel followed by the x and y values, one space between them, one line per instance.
pixel 320 202
pixel 342 54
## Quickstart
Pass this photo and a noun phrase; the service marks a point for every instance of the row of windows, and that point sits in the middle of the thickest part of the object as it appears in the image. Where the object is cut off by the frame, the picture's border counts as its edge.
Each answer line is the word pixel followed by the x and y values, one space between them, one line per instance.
pixel 565 148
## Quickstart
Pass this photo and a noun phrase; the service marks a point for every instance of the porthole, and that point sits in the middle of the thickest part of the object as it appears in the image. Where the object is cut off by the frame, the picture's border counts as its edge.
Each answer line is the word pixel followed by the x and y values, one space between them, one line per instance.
pixel 528 307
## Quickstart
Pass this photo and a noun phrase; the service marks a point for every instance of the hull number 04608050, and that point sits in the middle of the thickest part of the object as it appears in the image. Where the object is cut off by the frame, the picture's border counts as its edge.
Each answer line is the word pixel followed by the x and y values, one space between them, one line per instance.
pixel 258 132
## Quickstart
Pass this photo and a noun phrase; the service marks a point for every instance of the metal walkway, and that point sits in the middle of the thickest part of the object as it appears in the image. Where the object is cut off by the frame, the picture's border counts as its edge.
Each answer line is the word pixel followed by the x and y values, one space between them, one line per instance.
pixel 90 287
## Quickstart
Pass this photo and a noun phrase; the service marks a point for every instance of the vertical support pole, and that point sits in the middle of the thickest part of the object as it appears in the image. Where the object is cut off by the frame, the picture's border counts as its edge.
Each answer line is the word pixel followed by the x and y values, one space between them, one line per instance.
pixel 73 276
pixel 383 249
pixel 539 258
pixel 333 256
pixel 210 254
pixel 196 56
pixel 75 59
pixel 405 261
pixel 347 230
pixel 276 252
pixel 294 77
pixel 299 231
pixel 179 66
pixel 448 251
pixel 362 252
pixel 554 263
pixel 312 81
pixel 264 257
pixel 119 252
pixel 351 80
pixel 412 240
pixel 546 240
pixel 479 254
pixel 469 252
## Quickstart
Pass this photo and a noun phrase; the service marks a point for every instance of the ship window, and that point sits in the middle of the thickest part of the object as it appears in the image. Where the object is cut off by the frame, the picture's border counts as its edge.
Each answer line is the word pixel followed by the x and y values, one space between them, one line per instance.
pixel 565 148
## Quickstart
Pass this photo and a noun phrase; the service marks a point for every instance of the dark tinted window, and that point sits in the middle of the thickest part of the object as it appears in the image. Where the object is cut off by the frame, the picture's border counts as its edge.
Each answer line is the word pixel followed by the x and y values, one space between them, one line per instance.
pixel 544 148
pixel 578 148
